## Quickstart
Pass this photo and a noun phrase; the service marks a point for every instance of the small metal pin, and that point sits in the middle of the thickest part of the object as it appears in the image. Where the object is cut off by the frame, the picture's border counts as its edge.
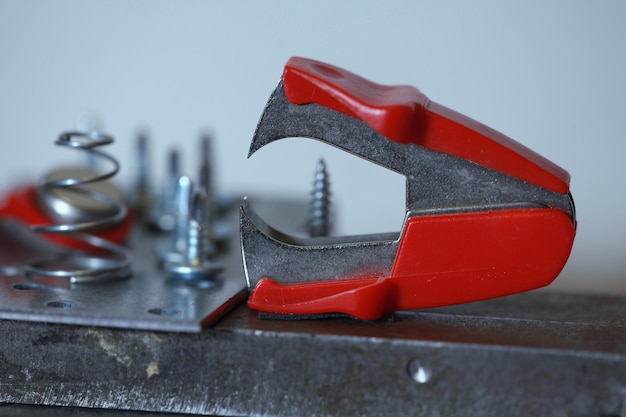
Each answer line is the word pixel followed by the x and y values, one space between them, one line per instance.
pixel 320 220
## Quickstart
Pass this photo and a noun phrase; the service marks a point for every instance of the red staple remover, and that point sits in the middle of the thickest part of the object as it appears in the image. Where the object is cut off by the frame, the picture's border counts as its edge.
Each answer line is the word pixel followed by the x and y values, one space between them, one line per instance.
pixel 485 216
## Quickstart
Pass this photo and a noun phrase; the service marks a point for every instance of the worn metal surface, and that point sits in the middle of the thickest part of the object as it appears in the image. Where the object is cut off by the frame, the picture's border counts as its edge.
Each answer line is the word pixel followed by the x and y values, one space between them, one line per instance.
pixel 20 410
pixel 530 354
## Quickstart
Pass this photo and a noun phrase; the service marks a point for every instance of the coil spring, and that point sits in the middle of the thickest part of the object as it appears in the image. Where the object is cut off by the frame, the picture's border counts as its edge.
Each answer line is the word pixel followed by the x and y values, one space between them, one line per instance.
pixel 113 260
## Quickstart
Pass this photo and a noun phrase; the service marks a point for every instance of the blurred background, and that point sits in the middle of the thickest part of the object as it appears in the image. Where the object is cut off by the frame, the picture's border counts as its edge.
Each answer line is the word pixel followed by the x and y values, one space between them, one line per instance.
pixel 550 74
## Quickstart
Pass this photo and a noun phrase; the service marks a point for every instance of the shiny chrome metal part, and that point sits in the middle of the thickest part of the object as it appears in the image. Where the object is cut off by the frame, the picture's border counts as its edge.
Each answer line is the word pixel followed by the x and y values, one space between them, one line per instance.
pixel 176 244
pixel 195 257
pixel 74 205
pixel 81 200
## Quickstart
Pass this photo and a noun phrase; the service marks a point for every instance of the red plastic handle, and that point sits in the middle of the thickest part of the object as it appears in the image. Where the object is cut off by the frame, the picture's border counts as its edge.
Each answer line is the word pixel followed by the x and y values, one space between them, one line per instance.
pixel 442 260
pixel 403 114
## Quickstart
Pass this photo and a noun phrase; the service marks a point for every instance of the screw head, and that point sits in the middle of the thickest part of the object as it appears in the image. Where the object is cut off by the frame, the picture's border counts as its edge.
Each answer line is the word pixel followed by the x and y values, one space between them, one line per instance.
pixel 419 372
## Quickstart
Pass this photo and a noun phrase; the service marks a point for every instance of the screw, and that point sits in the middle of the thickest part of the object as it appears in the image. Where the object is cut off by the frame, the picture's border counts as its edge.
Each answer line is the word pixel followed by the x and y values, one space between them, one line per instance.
pixel 195 262
pixel 142 187
pixel 177 243
pixel 199 244
pixel 219 229
pixel 164 218
pixel 206 182
pixel 182 197
pixel 206 176
pixel 319 224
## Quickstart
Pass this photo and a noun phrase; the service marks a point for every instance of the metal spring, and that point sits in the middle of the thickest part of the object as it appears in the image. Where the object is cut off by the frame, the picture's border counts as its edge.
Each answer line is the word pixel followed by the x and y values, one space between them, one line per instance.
pixel 78 266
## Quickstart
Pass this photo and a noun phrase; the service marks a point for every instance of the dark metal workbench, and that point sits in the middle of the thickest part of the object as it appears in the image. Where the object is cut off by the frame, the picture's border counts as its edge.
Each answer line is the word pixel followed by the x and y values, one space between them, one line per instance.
pixel 537 353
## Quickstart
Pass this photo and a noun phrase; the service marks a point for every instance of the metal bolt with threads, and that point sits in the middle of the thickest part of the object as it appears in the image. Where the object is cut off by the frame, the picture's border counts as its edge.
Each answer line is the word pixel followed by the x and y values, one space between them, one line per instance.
pixel 195 261
pixel 320 220
pixel 199 243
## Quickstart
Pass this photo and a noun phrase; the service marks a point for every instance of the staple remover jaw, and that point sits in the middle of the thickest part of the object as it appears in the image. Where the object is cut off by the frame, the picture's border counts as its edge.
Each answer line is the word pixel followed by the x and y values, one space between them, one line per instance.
pixel 485 216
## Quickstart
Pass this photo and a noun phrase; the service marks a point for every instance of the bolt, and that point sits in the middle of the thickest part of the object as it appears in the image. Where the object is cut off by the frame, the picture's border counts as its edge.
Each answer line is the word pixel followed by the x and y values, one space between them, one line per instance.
pixel 319 224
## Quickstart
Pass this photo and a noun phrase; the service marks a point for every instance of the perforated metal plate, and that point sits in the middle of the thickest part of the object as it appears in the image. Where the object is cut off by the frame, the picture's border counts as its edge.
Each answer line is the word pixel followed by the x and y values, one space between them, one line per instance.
pixel 146 300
